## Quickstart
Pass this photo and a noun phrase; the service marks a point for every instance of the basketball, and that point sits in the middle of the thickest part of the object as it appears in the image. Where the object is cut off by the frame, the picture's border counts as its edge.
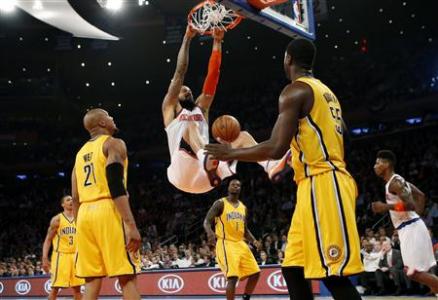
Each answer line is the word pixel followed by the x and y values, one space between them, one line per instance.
pixel 226 127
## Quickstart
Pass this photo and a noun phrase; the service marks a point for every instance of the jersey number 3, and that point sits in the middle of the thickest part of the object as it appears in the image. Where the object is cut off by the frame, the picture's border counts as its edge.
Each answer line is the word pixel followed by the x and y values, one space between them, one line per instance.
pixel 89 172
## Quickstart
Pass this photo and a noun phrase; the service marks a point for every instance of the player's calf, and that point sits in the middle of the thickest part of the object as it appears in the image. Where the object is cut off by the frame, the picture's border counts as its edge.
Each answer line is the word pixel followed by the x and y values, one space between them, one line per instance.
pixel 250 285
pixel 231 287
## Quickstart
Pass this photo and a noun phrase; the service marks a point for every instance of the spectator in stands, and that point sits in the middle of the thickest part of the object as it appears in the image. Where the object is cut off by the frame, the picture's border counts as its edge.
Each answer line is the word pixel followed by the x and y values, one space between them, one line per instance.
pixel 283 242
pixel 370 261
pixel 390 271
pixel 168 263
pixel 383 235
pixel 209 263
pixel 280 257
pixel 264 260
pixel 395 241
pixel 199 261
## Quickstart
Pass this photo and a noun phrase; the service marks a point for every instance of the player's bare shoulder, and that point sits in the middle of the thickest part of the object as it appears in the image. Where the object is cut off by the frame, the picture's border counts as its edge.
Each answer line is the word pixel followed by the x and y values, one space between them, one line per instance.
pixel 55 221
pixel 115 144
pixel 397 185
pixel 218 207
pixel 297 95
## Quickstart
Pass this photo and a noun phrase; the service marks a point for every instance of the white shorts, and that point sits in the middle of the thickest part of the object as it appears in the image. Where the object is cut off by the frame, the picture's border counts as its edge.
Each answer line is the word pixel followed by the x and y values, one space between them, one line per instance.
pixel 187 173
pixel 416 247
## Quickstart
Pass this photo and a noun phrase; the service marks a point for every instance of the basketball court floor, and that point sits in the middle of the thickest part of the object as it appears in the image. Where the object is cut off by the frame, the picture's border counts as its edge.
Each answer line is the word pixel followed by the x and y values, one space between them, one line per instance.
pixel 256 298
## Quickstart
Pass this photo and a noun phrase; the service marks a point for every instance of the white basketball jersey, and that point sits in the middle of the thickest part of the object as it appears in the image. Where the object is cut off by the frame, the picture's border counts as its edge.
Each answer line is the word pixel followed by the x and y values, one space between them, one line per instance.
pixel 178 126
pixel 398 217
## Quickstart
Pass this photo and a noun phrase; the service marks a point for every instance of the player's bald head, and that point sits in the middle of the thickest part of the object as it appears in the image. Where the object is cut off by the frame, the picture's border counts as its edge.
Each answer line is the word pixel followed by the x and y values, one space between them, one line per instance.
pixel 94 118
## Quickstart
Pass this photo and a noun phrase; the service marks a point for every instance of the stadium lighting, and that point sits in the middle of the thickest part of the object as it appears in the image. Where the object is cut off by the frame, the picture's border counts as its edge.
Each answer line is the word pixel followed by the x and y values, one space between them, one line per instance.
pixel 7 6
pixel 114 4
pixel 37 5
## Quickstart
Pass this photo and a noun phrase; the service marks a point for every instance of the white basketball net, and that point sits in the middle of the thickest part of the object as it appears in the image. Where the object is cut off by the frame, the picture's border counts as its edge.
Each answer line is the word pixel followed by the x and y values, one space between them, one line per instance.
pixel 210 16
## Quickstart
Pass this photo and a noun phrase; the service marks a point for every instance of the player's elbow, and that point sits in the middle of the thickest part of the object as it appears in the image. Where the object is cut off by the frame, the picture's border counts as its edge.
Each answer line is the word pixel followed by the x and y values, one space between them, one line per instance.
pixel 277 151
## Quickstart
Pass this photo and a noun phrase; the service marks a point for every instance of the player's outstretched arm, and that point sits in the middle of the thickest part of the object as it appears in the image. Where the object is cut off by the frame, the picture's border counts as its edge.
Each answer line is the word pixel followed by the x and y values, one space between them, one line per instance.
pixel 291 102
pixel 116 156
pixel 171 98
pixel 51 232
pixel 206 98
pixel 215 211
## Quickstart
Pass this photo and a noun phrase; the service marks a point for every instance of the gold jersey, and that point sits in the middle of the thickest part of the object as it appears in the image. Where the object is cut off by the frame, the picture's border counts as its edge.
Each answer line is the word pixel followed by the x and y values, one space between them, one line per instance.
pixel 318 146
pixel 90 168
pixel 230 225
pixel 65 239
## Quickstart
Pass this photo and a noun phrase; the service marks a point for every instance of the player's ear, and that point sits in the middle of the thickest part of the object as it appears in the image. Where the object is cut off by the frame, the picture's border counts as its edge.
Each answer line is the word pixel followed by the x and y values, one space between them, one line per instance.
pixel 287 59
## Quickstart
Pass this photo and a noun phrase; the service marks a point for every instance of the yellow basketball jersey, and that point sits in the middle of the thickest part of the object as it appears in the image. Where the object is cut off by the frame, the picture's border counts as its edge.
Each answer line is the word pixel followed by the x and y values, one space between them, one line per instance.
pixel 90 168
pixel 230 225
pixel 64 240
pixel 318 146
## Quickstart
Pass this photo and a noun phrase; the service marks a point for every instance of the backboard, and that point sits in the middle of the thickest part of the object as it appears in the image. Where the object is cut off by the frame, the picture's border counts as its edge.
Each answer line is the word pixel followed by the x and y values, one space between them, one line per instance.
pixel 293 17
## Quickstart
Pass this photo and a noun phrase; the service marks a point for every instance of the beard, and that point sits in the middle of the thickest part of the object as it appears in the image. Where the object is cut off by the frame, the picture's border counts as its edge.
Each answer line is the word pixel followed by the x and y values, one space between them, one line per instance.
pixel 188 103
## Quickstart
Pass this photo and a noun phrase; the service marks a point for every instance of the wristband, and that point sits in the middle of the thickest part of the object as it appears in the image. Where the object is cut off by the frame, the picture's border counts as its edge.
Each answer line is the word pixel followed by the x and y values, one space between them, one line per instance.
pixel 400 206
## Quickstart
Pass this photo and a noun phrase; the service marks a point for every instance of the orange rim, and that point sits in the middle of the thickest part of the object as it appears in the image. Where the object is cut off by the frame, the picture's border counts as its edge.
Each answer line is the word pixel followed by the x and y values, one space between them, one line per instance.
pixel 229 26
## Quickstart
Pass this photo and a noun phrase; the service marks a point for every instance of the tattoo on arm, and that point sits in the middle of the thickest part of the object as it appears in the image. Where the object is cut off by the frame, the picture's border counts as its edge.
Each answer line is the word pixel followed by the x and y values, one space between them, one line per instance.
pixel 402 190
pixel 180 72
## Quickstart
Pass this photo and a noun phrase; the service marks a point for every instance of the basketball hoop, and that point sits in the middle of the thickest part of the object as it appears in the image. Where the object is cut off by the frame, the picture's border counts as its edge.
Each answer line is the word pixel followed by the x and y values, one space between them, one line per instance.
pixel 210 15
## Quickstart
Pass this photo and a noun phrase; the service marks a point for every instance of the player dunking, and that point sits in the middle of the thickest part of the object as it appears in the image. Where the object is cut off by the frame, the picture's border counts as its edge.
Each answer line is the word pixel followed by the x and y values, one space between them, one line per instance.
pixel 323 241
pixel 232 252
pixel 62 235
pixel 107 236
pixel 186 125
pixel 403 201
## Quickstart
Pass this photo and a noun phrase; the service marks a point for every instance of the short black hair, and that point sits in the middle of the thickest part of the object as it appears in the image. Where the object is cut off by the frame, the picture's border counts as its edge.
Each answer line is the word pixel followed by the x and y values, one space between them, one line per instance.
pixel 63 198
pixel 303 53
pixel 387 155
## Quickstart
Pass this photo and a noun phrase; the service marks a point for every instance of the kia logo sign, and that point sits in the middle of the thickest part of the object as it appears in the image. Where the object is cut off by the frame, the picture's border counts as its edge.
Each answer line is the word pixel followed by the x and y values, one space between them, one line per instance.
pixel 170 284
pixel 276 282
pixel 117 286
pixel 22 287
pixel 2 287
pixel 48 286
pixel 217 283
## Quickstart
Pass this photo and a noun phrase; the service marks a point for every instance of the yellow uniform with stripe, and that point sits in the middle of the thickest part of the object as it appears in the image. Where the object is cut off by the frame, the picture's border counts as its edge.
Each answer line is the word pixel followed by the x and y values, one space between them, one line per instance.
pixel 63 255
pixel 233 255
pixel 323 236
pixel 100 236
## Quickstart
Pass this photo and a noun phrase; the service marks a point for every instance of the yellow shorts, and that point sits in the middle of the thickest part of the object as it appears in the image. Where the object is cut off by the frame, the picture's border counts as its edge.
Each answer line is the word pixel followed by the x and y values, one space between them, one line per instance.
pixel 100 241
pixel 235 259
pixel 62 271
pixel 323 236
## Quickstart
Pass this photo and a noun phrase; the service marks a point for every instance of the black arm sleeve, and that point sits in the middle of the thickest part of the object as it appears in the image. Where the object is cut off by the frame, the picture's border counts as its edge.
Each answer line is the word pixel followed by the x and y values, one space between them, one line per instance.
pixel 114 176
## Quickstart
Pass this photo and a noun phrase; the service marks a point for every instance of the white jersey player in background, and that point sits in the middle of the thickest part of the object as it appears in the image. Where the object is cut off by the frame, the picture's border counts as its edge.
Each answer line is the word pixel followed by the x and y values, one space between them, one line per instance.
pixel 405 202
pixel 186 125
